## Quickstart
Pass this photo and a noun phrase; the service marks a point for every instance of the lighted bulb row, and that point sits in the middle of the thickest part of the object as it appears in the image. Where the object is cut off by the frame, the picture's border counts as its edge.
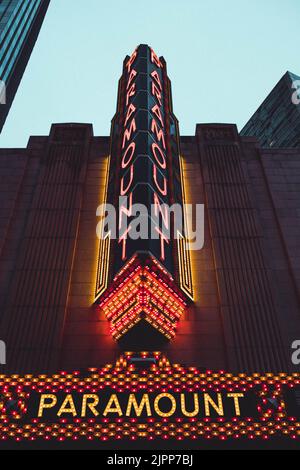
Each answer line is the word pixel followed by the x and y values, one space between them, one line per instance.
pixel 157 430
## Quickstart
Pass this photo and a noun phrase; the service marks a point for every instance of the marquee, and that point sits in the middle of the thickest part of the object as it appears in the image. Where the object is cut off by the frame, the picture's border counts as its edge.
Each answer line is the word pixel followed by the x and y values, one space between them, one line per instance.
pixel 145 397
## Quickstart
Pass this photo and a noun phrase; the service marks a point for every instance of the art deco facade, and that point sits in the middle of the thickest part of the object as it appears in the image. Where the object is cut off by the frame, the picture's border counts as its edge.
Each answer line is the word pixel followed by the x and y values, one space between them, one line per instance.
pixel 245 307
pixel 246 279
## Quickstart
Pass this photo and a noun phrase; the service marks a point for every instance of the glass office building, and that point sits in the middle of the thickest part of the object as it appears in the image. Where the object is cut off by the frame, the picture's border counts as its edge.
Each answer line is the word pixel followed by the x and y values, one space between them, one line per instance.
pixel 20 23
pixel 276 123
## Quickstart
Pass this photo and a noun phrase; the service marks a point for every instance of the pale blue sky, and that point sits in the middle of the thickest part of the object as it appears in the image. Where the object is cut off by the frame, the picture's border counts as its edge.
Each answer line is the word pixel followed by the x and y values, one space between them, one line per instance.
pixel 223 57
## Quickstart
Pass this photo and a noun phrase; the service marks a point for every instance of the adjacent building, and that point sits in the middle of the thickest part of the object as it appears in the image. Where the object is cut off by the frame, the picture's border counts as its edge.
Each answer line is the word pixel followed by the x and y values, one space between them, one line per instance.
pixel 276 123
pixel 20 24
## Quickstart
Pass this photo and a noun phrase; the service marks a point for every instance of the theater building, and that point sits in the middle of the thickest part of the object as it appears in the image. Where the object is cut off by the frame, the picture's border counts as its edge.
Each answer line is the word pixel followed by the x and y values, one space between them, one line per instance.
pixel 71 301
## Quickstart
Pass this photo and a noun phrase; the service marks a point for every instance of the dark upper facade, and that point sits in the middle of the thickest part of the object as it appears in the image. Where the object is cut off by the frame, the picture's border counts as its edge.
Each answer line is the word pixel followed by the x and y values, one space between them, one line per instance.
pixel 276 123
pixel 20 23
pixel 246 279
pixel 245 312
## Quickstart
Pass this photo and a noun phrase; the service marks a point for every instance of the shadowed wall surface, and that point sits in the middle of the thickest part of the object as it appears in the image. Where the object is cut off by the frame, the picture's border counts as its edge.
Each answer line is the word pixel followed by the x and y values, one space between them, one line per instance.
pixel 246 278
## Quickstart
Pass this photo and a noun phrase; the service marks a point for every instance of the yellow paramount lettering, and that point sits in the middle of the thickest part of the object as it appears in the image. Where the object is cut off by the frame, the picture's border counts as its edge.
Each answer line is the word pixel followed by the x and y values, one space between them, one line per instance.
pixel 183 406
pixel 132 402
pixel 164 405
pixel 157 408
pixel 47 401
pixel 113 406
pixel 209 403
pixel 92 406
pixel 68 407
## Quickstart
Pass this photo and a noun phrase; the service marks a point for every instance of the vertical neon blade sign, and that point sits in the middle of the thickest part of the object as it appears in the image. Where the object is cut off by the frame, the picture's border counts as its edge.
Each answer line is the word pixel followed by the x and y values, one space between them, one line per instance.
pixel 145 279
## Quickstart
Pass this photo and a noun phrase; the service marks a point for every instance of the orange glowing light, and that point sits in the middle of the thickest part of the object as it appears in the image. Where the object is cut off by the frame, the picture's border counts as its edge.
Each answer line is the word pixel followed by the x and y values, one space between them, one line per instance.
pixel 143 292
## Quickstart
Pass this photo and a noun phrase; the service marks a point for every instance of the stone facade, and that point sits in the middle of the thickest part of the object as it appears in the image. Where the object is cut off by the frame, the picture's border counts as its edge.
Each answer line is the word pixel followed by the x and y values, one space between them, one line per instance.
pixel 246 279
